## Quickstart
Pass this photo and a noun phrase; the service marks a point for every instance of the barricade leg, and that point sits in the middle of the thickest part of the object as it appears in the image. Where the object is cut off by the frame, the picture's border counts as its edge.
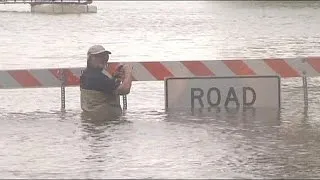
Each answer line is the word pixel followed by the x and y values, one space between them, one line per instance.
pixel 124 101
pixel 63 90
pixel 305 91
pixel 63 98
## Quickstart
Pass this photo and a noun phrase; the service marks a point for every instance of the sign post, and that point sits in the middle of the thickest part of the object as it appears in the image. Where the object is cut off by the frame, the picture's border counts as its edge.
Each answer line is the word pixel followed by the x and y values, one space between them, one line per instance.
pixel 231 91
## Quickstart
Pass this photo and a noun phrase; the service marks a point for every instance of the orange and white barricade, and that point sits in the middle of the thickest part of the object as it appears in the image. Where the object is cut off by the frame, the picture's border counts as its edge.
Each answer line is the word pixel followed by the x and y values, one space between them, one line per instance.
pixel 159 70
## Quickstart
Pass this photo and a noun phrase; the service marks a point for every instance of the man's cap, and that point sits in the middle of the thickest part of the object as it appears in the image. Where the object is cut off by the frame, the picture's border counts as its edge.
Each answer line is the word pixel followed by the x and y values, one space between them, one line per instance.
pixel 97 49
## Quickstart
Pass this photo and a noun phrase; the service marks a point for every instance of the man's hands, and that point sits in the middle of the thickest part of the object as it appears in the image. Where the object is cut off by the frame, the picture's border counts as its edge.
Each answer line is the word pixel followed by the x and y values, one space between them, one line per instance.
pixel 123 71
pixel 119 73
pixel 126 77
pixel 127 69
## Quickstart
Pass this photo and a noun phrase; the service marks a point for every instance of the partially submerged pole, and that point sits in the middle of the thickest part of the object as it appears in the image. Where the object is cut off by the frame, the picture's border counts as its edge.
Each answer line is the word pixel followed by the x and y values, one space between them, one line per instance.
pixel 305 89
pixel 63 90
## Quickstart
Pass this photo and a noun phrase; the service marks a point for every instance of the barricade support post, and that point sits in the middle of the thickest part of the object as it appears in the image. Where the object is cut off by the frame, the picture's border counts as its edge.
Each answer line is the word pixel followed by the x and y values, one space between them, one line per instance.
pixel 305 90
pixel 63 89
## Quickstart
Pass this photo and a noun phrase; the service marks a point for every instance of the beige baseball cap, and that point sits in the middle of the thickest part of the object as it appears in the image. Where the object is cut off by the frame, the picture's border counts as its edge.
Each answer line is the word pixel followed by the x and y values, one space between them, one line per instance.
pixel 97 49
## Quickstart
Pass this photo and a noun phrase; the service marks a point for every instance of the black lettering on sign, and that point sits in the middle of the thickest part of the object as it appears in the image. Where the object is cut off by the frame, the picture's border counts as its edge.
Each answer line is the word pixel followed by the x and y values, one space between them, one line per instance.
pixel 231 97
pixel 199 96
pixel 218 96
pixel 245 102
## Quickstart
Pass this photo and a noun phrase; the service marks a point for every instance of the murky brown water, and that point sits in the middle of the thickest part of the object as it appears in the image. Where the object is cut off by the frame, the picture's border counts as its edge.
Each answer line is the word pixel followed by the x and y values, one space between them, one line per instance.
pixel 37 141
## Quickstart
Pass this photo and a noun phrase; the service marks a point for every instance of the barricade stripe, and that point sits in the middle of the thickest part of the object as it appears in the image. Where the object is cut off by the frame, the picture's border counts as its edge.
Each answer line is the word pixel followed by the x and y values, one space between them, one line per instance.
pixel 46 78
pixel 55 72
pixel 197 68
pixel 76 72
pixel 24 78
pixel 260 68
pixel 140 73
pixel 218 68
pixel 239 67
pixel 72 79
pixel 314 62
pixel 157 70
pixel 177 68
pixel 301 66
pixel 281 67
pixel 7 80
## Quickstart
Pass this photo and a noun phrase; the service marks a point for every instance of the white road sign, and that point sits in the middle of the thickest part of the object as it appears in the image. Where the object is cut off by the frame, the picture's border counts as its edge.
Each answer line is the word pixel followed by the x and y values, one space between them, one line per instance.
pixel 237 91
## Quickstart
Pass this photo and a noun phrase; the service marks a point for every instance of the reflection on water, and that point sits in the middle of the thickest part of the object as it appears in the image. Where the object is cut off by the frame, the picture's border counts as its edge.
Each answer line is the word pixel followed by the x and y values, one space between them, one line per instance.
pixel 261 142
pixel 247 115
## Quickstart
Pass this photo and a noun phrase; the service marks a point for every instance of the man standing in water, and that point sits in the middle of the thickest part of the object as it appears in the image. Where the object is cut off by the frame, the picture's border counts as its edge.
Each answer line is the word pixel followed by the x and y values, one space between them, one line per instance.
pixel 100 93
